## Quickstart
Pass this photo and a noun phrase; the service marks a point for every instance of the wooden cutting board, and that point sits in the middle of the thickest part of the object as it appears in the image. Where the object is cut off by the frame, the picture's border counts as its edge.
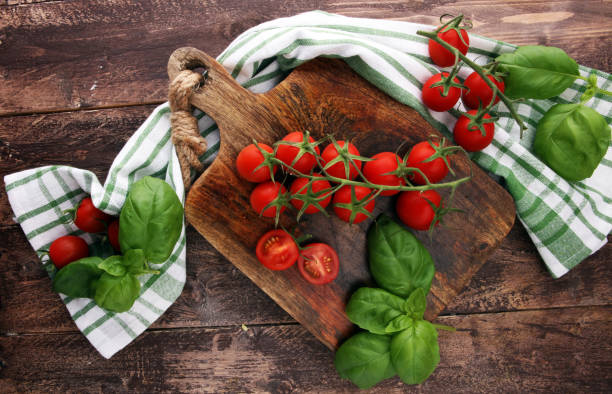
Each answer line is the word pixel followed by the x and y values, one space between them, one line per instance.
pixel 325 96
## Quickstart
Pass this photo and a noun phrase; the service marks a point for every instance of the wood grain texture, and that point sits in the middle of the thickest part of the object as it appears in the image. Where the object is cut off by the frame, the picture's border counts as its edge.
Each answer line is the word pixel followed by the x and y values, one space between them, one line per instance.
pixel 82 54
pixel 326 97
pixel 501 352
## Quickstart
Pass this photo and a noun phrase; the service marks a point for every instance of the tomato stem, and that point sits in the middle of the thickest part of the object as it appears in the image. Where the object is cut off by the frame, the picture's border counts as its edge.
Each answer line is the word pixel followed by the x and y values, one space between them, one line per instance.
pixel 482 72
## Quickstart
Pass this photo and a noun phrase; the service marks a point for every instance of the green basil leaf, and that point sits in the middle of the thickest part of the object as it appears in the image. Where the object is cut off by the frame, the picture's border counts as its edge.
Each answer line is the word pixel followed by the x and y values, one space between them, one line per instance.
pixel 117 293
pixel 78 278
pixel 398 261
pixel 101 248
pixel 364 359
pixel 400 323
pixel 572 139
pixel 135 262
pixel 415 352
pixel 113 266
pixel 151 219
pixel 537 72
pixel 372 309
pixel 416 304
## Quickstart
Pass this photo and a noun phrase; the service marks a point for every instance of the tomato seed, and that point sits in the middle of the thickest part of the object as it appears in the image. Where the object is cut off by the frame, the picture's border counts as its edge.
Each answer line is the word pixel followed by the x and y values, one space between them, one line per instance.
pixel 308 266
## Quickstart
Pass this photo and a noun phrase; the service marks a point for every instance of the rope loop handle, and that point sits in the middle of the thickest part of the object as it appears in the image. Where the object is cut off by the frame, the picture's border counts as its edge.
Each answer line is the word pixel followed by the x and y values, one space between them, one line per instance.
pixel 189 144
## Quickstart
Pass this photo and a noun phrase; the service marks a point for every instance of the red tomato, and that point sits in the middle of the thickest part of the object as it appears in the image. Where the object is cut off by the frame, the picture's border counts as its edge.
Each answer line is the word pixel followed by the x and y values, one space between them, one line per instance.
pixel 318 263
pixel 113 234
pixel 338 170
pixel 343 196
pixel 287 153
pixel 414 210
pixel 435 170
pixel 442 56
pixel 249 159
pixel 472 139
pixel 433 98
pixel 265 193
pixel 377 171
pixel 276 250
pixel 67 249
pixel 89 218
pixel 301 186
pixel 477 92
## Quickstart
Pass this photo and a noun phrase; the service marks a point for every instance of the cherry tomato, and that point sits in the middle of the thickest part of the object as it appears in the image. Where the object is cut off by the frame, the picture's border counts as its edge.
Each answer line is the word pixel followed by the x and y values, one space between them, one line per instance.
pixel 377 171
pixel 67 249
pixel 318 263
pixel 276 250
pixel 477 92
pixel 414 210
pixel 442 56
pixel 287 153
pixel 263 194
pixel 89 218
pixel 339 170
pixel 343 196
pixel 472 139
pixel 300 186
pixel 433 98
pixel 249 159
pixel 113 234
pixel 435 170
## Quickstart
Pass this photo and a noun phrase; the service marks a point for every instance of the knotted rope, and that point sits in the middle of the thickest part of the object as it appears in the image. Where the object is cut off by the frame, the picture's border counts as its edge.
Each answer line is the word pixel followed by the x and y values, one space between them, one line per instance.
pixel 186 137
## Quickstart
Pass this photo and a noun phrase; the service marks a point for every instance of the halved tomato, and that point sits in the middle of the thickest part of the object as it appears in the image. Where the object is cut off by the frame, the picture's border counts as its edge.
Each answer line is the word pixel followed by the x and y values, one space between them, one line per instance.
pixel 276 250
pixel 318 263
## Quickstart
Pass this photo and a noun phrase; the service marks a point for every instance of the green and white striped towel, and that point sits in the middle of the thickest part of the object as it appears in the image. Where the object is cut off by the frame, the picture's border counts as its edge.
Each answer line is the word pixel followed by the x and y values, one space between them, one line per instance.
pixel 567 222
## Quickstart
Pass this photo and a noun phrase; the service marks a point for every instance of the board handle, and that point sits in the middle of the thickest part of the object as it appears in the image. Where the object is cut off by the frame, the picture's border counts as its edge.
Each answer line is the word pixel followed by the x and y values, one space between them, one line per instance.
pixel 219 96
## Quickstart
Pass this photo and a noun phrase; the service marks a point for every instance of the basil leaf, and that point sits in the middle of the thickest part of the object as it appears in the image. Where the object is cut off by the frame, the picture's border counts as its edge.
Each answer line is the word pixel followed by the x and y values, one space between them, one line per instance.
pixel 400 323
pixel 113 266
pixel 537 72
pixel 78 278
pixel 117 293
pixel 398 261
pixel 364 359
pixel 372 309
pixel 101 248
pixel 151 219
pixel 416 304
pixel 572 139
pixel 415 352
pixel 134 262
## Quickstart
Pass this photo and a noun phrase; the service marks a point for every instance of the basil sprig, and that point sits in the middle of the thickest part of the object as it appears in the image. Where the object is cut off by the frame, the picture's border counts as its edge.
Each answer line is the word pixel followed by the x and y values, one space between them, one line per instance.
pixel 397 340
pixel 149 227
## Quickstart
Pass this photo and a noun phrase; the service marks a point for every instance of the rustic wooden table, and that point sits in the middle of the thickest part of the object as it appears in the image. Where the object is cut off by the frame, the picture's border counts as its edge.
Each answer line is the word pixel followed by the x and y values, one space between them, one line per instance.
pixel 76 80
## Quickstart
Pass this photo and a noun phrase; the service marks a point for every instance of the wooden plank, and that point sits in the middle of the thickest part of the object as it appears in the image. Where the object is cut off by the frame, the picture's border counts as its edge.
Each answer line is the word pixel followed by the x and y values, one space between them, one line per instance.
pixel 559 350
pixel 81 54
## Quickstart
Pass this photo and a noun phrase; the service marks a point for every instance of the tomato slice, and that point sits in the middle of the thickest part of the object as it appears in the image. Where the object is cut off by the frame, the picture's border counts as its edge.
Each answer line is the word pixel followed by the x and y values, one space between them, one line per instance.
pixel 318 263
pixel 276 250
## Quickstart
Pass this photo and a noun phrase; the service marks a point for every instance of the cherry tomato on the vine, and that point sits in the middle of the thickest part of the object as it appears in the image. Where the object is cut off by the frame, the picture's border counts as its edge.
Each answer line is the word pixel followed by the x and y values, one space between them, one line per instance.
pixel 288 153
pixel 414 210
pixel 477 92
pixel 263 194
pixel 433 98
pixel 113 234
pixel 338 169
pixel 378 171
pixel 67 249
pixel 301 186
pixel 442 56
pixel 435 170
pixel 318 263
pixel 276 250
pixel 471 139
pixel 343 196
pixel 89 218
pixel 249 159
